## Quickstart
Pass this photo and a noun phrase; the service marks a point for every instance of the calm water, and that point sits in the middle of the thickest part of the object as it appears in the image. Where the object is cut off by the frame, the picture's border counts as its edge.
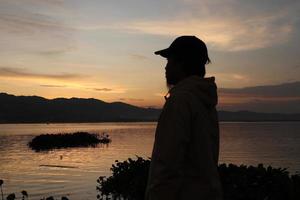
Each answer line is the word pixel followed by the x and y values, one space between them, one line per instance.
pixel 271 143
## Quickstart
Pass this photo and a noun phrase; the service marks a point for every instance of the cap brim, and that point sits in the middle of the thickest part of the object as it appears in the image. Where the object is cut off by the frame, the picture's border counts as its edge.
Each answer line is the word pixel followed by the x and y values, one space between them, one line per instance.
pixel 164 53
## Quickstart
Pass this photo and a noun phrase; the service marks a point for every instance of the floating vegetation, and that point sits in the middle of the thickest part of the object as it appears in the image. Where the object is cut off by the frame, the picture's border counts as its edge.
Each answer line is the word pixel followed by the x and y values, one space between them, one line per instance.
pixel 46 142
pixel 129 179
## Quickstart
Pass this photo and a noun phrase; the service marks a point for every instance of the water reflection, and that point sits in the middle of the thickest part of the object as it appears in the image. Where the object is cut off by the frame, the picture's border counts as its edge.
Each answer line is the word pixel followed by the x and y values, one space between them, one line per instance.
pixel 275 143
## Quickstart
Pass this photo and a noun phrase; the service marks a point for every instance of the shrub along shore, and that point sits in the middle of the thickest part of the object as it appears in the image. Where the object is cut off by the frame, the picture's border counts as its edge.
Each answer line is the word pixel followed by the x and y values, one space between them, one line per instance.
pixel 129 179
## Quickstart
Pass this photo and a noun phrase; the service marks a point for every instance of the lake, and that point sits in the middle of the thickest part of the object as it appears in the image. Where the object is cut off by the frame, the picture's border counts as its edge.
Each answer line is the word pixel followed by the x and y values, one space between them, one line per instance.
pixel 250 143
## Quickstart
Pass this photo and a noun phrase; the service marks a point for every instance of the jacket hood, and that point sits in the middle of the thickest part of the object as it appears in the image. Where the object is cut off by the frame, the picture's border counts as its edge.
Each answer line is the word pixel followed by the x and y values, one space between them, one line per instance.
pixel 205 89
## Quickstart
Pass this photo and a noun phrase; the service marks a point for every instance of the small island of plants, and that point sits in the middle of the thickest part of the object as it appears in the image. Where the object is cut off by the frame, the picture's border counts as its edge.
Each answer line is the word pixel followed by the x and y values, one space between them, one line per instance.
pixel 46 142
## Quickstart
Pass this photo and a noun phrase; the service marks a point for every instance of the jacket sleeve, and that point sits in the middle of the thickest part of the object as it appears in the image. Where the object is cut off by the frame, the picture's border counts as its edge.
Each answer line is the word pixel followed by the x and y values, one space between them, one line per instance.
pixel 171 139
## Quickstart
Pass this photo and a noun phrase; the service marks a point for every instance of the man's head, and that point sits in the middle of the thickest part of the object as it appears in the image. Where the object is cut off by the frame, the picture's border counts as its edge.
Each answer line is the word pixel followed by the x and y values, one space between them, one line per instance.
pixel 187 56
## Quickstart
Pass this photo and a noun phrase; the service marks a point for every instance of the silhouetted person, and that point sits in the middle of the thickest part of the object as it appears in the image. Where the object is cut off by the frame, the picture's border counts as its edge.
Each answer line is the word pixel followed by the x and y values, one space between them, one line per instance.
pixel 186 148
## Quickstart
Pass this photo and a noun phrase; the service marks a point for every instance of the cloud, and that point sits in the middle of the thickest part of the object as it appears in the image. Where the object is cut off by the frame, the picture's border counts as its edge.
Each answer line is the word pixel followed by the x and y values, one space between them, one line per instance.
pixel 32 2
pixel 28 23
pixel 225 25
pixel 53 86
pixel 54 52
pixel 46 2
pixel 283 98
pixel 33 26
pixel 26 74
pixel 283 90
pixel 135 99
pixel 139 57
pixel 30 16
pixel 131 99
pixel 103 89
pixel 160 94
pixel 232 77
pixel 297 66
pixel 290 106
pixel 222 34
pixel 113 90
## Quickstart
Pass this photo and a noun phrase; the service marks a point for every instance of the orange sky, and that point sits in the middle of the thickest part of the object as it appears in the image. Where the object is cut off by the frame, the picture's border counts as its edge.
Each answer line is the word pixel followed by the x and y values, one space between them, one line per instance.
pixel 104 49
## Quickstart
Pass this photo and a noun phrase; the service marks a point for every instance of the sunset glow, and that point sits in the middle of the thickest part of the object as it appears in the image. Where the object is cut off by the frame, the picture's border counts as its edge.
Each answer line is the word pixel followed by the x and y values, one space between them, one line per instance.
pixel 104 49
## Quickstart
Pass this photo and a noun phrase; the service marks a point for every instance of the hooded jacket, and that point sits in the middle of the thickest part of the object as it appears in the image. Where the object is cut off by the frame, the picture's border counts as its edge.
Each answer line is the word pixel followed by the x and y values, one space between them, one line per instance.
pixel 186 147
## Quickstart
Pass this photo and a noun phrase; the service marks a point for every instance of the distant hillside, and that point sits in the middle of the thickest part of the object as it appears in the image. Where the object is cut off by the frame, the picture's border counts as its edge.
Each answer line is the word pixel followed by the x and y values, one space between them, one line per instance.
pixel 29 109
pixel 34 109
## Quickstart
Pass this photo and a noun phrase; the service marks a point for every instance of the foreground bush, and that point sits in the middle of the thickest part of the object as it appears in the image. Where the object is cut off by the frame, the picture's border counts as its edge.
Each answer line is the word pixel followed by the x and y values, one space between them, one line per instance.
pixel 63 140
pixel 129 179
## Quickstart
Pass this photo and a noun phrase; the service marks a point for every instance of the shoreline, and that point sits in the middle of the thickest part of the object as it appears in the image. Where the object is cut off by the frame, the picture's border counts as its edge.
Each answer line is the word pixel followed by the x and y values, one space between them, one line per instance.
pixel 143 121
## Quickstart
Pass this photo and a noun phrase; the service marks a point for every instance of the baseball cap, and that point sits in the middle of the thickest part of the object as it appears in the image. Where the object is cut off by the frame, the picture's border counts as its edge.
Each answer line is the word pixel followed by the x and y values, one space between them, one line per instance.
pixel 186 47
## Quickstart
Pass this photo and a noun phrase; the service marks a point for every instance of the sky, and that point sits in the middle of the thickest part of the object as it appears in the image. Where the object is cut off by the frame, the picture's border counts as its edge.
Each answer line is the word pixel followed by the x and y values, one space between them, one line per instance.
pixel 104 49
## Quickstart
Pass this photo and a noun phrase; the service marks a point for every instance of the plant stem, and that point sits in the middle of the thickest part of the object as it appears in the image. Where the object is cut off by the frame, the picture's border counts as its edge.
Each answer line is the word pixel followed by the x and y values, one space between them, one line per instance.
pixel 2 193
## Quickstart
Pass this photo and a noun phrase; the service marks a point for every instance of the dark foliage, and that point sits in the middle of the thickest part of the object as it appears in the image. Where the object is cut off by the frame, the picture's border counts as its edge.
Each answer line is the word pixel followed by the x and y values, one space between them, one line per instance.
pixel 129 180
pixel 11 196
pixel 52 198
pixel 258 183
pixel 78 139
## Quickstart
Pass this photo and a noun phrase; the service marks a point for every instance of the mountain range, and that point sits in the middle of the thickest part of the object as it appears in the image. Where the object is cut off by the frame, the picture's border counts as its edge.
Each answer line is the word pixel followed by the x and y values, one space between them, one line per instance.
pixel 35 109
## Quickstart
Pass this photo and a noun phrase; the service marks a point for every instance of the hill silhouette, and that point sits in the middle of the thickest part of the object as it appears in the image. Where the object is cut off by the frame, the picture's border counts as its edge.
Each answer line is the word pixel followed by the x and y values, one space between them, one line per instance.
pixel 35 109
pixel 18 109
